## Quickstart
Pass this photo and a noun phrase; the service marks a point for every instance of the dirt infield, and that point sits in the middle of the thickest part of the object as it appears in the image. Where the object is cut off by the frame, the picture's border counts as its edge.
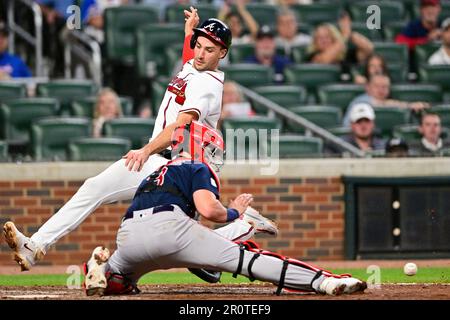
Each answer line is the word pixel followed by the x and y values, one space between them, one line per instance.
pixel 231 292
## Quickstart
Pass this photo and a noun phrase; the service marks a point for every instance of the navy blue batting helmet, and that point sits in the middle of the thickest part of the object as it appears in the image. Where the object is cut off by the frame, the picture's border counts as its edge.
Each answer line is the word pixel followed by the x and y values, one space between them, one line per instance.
pixel 215 30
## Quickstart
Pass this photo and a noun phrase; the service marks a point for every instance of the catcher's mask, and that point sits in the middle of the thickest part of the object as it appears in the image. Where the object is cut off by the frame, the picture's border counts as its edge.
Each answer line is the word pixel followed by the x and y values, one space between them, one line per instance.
pixel 201 142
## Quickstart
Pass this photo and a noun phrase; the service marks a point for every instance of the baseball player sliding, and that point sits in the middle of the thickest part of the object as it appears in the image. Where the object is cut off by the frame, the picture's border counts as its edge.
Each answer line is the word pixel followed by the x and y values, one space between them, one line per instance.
pixel 163 207
pixel 194 94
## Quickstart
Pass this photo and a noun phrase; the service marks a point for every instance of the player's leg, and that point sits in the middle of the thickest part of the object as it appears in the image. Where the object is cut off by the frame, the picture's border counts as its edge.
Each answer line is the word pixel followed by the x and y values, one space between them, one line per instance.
pixel 113 184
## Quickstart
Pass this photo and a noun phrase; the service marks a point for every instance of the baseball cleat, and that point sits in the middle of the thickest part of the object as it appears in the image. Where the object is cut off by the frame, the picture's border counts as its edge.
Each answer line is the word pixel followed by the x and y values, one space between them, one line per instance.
pixel 26 253
pixel 210 276
pixel 259 222
pixel 337 286
pixel 95 282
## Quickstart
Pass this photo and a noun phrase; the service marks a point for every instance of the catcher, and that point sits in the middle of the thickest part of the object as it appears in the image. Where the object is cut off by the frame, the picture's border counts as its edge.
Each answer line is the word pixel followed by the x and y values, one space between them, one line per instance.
pixel 158 230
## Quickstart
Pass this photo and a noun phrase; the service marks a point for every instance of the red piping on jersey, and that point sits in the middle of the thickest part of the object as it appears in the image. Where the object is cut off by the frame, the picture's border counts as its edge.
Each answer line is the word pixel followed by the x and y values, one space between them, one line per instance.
pixel 243 235
pixel 165 110
pixel 188 53
pixel 191 109
pixel 215 78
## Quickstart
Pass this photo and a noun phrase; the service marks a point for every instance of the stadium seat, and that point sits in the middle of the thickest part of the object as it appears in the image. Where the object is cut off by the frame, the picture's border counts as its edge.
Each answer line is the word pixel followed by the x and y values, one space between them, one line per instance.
pixel 3 151
pixel 398 72
pixel 371 34
pixel 299 54
pixel 323 116
pixel 120 27
pixel 12 90
pixel 132 128
pixel 312 75
pixel 340 131
pixel 158 92
pixel 66 91
pixel 248 144
pixel 174 53
pixel 408 132
pixel 316 13
pixel 264 14
pixel 387 118
pixel 339 94
pixel 239 52
pixel 17 115
pixel 417 92
pixel 50 136
pixel 152 42
pixel 284 95
pixel 423 52
pixel 391 11
pixel 393 53
pixel 85 107
pixel 439 74
pixel 296 146
pixel 249 74
pixel 444 113
pixel 98 149
pixel 392 29
pixel 175 14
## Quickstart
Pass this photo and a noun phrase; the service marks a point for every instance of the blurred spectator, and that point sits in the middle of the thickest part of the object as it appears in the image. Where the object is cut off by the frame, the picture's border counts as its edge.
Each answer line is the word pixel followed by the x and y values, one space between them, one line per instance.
pixel 423 29
pixel 55 16
pixel 92 16
pixel 375 64
pixel 396 148
pixel 265 53
pixel 288 2
pixel 233 102
pixel 163 4
pixel 287 32
pixel 235 21
pixel 11 66
pixel 377 95
pixel 442 56
pixel 358 46
pixel 362 120
pixel 328 46
pixel 107 107
pixel 431 143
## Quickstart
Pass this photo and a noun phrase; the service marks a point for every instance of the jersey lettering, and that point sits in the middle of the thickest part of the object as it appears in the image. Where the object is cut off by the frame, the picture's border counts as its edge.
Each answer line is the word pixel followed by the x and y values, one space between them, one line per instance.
pixel 160 178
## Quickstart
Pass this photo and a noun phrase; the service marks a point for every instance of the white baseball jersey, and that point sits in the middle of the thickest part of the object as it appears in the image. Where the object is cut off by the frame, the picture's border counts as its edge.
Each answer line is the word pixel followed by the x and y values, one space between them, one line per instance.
pixel 191 90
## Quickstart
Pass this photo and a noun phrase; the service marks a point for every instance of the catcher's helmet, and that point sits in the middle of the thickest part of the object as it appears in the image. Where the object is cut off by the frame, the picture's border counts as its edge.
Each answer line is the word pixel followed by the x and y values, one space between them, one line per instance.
pixel 201 142
pixel 215 30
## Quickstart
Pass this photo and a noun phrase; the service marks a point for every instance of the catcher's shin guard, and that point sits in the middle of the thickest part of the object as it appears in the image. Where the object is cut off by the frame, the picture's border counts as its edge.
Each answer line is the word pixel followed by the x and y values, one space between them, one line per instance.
pixel 253 247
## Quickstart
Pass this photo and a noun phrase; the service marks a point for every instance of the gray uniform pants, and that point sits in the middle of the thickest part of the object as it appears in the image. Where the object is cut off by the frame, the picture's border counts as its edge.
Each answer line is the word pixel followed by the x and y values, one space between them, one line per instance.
pixel 173 240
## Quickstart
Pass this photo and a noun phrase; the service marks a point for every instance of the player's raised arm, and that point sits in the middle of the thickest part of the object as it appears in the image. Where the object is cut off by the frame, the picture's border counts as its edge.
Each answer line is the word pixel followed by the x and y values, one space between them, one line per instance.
pixel 192 20
pixel 211 208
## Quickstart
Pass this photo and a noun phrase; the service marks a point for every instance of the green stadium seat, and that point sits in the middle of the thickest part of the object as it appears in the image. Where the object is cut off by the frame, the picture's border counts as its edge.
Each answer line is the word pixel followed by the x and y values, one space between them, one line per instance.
pixel 339 94
pixel 392 30
pixel 387 118
pixel 391 11
pixel 312 75
pixel 248 144
pixel 120 28
pixel 323 116
pixel 249 74
pixel 132 128
pixel 340 131
pixel 152 42
pixel 239 52
pixel 174 53
pixel 50 136
pixel 408 132
pixel 398 72
pixel 98 149
pixel 444 113
pixel 66 91
pixel 3 151
pixel 10 90
pixel 316 13
pixel 371 34
pixel 393 53
pixel 85 107
pixel 417 92
pixel 175 14
pixel 299 54
pixel 158 92
pixel 424 52
pixel 438 74
pixel 284 95
pixel 296 146
pixel 16 117
pixel 264 14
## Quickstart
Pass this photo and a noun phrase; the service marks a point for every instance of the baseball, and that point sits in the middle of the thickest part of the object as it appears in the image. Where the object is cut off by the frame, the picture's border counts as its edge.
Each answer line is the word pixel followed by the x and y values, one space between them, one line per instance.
pixel 410 269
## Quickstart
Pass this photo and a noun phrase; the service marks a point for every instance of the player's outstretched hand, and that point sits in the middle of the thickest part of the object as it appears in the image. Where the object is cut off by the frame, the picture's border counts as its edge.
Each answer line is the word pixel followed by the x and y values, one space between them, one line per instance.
pixel 135 159
pixel 192 20
pixel 241 202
